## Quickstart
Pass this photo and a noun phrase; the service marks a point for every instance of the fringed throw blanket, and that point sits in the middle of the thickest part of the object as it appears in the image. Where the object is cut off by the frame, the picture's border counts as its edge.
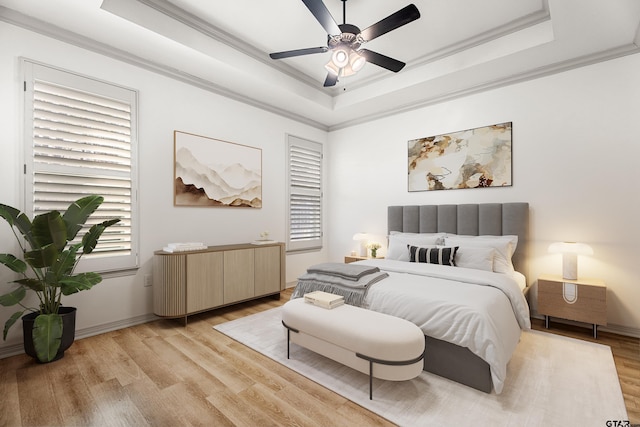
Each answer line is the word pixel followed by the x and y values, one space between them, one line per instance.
pixel 350 281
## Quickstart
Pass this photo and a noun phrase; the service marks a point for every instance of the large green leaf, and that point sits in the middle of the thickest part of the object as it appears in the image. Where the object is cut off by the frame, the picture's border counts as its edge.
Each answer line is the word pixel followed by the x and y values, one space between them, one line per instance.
pixel 33 284
pixel 13 297
pixel 9 213
pixel 79 282
pixel 50 228
pixel 41 258
pixel 90 239
pixel 19 220
pixel 13 263
pixel 65 262
pixel 47 334
pixel 9 323
pixel 78 212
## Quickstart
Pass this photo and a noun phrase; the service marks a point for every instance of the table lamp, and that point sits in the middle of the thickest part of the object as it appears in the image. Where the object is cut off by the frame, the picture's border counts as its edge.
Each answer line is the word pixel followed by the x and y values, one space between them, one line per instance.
pixel 362 238
pixel 570 252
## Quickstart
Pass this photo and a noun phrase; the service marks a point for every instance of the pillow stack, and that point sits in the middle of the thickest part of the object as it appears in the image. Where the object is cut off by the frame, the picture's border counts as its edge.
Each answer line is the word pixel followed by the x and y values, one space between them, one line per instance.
pixel 489 253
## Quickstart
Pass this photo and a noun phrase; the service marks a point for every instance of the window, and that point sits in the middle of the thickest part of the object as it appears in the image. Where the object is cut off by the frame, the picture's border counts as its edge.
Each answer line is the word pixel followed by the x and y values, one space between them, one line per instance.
pixel 80 139
pixel 304 219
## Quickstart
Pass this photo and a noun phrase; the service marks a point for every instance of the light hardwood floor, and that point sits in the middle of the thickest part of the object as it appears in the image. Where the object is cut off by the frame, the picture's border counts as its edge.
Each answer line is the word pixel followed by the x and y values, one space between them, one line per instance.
pixel 164 374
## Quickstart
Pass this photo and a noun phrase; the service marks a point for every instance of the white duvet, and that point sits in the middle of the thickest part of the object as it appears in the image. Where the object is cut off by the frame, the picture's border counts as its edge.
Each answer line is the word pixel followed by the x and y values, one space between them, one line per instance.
pixel 480 310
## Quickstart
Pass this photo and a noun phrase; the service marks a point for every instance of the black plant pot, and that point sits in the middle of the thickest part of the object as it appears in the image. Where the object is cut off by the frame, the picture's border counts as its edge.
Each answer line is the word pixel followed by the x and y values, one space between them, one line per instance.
pixel 68 332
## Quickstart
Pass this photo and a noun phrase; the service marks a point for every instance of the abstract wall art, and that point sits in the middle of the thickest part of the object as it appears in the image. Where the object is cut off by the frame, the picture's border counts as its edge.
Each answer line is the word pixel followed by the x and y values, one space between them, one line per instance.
pixel 472 158
pixel 211 172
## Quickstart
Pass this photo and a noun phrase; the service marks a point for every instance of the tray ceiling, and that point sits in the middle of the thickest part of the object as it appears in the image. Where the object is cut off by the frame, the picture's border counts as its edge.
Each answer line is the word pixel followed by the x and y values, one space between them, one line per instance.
pixel 457 47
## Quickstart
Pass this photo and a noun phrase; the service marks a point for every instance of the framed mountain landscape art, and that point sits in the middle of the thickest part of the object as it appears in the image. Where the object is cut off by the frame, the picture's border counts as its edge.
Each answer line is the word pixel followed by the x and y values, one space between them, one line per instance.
pixel 211 172
pixel 473 158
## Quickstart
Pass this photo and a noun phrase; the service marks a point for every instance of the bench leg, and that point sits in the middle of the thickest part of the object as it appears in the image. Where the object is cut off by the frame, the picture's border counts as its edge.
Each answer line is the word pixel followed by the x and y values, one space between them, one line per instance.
pixel 373 360
pixel 289 329
pixel 370 380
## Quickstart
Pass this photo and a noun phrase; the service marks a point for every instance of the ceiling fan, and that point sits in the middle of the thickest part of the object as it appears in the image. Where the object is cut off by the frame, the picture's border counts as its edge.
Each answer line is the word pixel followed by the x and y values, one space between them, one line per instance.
pixel 345 41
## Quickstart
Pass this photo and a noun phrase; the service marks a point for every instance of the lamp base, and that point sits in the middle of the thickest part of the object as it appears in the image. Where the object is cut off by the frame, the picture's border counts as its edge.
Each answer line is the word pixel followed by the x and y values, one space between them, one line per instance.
pixel 570 266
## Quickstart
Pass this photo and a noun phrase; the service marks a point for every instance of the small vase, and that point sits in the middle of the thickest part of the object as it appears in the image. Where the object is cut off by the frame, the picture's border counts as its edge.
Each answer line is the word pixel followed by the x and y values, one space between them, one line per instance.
pixel 373 253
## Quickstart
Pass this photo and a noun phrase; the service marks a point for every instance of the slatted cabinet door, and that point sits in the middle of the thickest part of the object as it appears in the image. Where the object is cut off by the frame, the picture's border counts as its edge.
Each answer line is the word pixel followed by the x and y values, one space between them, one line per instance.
pixel 269 273
pixel 239 273
pixel 204 281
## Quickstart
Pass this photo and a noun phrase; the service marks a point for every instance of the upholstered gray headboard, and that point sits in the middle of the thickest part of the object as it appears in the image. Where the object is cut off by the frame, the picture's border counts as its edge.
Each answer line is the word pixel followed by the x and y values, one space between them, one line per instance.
pixel 494 219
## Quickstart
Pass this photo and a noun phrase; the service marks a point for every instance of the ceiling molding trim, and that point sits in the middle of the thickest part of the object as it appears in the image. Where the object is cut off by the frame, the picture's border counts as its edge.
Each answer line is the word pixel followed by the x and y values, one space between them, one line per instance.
pixel 12 17
pixel 211 31
pixel 540 72
pixel 514 26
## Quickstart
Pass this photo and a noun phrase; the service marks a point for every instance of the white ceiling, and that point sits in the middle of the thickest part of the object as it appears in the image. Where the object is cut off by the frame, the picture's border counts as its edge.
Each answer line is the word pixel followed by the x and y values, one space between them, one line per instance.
pixel 457 47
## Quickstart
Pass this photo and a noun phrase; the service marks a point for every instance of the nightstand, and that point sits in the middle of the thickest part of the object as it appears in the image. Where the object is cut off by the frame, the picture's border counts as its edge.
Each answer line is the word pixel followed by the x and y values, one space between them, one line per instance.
pixel 582 300
pixel 354 258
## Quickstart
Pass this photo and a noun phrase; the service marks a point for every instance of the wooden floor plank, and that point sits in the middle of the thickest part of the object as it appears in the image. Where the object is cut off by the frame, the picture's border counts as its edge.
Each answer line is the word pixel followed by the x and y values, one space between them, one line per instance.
pixel 72 394
pixel 38 405
pixel 149 361
pixel 115 405
pixel 191 407
pixel 10 401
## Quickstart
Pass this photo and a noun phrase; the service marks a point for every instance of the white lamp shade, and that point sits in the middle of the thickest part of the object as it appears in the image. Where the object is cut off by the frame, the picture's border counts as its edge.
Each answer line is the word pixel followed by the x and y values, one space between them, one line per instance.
pixel 570 248
pixel 362 237
pixel 340 57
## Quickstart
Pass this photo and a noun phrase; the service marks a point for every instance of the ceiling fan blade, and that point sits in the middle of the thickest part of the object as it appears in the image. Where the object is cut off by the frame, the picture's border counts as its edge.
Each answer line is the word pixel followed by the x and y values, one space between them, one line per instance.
pixel 331 80
pixel 381 60
pixel 298 52
pixel 322 14
pixel 395 20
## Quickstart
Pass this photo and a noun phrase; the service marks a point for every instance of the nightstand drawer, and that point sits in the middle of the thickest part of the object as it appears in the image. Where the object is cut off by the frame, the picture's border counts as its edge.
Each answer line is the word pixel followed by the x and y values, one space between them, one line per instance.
pixel 590 306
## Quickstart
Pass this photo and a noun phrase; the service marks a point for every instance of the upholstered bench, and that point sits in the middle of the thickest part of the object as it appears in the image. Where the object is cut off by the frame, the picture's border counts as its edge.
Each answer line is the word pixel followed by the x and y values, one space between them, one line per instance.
pixel 373 343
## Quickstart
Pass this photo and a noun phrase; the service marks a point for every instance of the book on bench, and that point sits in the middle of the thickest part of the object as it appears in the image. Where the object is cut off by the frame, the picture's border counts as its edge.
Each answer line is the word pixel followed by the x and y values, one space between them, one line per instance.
pixel 324 299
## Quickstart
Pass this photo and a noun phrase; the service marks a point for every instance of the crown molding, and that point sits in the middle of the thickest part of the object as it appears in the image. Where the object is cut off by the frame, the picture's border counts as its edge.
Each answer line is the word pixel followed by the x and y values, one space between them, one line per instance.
pixel 194 22
pixel 32 24
pixel 537 73
pixel 15 18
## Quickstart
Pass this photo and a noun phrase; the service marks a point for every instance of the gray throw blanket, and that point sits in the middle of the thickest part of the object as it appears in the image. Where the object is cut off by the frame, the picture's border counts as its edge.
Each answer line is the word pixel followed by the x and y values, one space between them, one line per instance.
pixel 346 271
pixel 334 282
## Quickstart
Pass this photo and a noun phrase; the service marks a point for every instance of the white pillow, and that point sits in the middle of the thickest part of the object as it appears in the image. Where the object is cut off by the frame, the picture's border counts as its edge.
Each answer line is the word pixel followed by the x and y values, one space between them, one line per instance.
pixel 504 246
pixel 398 243
pixel 478 258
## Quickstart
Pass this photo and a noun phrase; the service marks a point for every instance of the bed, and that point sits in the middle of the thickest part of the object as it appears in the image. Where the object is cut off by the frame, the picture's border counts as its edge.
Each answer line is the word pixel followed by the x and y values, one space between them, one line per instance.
pixel 444 358
pixel 471 330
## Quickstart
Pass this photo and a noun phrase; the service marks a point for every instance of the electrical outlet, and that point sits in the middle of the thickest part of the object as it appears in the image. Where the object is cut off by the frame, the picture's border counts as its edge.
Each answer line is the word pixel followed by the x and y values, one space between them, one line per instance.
pixel 148 281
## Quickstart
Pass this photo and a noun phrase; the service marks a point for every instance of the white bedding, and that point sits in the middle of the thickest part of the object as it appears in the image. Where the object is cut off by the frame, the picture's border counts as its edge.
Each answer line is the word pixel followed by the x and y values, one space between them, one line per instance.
pixel 480 310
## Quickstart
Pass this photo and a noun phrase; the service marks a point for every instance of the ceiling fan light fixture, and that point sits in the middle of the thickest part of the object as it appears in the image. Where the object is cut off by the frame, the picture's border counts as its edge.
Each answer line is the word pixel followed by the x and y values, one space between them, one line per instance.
pixel 340 56
pixel 331 67
pixel 356 61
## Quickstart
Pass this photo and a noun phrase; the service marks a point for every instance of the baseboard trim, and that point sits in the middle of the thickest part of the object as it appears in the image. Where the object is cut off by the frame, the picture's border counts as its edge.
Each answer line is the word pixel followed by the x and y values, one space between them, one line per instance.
pixel 16 349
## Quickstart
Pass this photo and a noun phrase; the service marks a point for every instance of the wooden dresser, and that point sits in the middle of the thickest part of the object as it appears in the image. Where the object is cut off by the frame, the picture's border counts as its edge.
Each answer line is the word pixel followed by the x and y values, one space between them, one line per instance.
pixel 190 282
pixel 589 306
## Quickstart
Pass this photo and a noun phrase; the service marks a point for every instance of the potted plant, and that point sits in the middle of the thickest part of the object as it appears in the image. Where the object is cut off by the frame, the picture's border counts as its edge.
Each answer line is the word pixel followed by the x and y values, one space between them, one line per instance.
pixel 50 258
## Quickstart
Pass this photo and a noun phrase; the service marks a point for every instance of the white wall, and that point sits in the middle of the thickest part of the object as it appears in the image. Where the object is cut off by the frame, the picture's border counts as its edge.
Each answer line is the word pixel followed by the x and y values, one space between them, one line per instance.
pixel 574 156
pixel 575 160
pixel 164 106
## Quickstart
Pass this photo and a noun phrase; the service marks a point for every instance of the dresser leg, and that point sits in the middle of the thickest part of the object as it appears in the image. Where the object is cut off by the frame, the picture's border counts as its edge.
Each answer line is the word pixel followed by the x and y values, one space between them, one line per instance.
pixel 595 331
pixel 546 321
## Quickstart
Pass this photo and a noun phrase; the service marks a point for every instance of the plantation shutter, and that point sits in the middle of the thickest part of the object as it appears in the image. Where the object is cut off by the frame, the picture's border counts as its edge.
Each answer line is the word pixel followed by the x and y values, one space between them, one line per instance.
pixel 304 159
pixel 80 140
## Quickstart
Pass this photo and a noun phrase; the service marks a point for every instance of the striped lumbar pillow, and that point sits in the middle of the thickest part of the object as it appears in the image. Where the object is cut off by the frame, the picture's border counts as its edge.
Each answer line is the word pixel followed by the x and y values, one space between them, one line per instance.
pixel 443 255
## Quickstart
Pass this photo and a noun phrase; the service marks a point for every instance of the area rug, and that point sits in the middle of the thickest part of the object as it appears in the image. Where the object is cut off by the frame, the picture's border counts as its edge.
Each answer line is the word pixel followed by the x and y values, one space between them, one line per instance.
pixel 551 381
